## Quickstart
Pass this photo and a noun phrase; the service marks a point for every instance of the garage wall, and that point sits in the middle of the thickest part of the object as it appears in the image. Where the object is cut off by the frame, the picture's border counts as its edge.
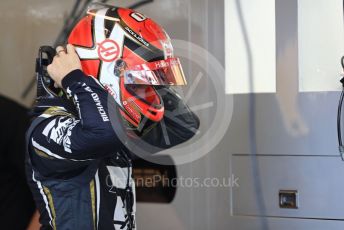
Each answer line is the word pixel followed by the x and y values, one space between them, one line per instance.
pixel 26 25
pixel 282 137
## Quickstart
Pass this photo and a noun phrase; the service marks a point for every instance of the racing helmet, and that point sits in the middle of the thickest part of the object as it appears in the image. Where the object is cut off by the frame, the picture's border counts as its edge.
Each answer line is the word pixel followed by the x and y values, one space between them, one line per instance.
pixel 131 56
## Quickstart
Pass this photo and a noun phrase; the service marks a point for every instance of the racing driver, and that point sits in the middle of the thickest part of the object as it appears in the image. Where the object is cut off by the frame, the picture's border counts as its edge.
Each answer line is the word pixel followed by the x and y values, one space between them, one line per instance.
pixel 79 170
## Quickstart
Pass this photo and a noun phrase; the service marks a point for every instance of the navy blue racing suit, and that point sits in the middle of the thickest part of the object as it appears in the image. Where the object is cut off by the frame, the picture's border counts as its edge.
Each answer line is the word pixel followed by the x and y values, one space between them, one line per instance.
pixel 79 171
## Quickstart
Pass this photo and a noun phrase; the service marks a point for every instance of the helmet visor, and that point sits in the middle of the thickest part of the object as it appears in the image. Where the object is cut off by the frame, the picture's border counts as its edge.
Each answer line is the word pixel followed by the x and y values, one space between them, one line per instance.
pixel 163 72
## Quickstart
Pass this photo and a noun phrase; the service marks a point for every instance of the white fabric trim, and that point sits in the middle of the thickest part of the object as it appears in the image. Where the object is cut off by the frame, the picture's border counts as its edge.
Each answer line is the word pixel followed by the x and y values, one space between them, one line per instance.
pixel 39 185
pixel 47 151
pixel 98 196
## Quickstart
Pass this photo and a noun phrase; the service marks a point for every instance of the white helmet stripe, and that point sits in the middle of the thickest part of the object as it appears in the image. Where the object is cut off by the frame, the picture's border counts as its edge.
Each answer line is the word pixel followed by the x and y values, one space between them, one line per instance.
pixel 85 53
pixel 99 25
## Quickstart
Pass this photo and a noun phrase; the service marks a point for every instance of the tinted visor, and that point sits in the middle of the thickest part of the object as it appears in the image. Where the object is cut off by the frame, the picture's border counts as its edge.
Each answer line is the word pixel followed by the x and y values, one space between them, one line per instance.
pixel 163 72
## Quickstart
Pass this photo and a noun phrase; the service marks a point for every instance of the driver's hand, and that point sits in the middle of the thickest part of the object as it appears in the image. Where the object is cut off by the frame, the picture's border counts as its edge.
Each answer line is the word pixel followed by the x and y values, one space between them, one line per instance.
pixel 65 61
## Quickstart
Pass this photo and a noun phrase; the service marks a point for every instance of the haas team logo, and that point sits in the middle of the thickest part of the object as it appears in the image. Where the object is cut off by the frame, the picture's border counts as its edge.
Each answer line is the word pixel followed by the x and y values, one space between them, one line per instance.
pixel 108 50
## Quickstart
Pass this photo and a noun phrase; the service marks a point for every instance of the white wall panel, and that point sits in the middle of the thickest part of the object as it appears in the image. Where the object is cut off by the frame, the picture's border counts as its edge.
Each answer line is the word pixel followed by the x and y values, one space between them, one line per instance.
pixel 250 46
pixel 321 44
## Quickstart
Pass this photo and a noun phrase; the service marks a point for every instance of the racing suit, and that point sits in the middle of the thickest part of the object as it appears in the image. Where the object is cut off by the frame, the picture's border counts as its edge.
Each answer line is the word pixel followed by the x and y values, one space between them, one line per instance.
pixel 79 172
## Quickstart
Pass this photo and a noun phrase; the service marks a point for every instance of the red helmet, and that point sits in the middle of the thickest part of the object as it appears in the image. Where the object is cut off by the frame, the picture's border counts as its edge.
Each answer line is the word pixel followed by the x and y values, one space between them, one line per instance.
pixel 129 54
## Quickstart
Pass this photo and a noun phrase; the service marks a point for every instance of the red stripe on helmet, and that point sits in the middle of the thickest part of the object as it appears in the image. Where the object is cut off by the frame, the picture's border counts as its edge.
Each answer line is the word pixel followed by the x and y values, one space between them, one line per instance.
pixel 90 67
pixel 84 28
